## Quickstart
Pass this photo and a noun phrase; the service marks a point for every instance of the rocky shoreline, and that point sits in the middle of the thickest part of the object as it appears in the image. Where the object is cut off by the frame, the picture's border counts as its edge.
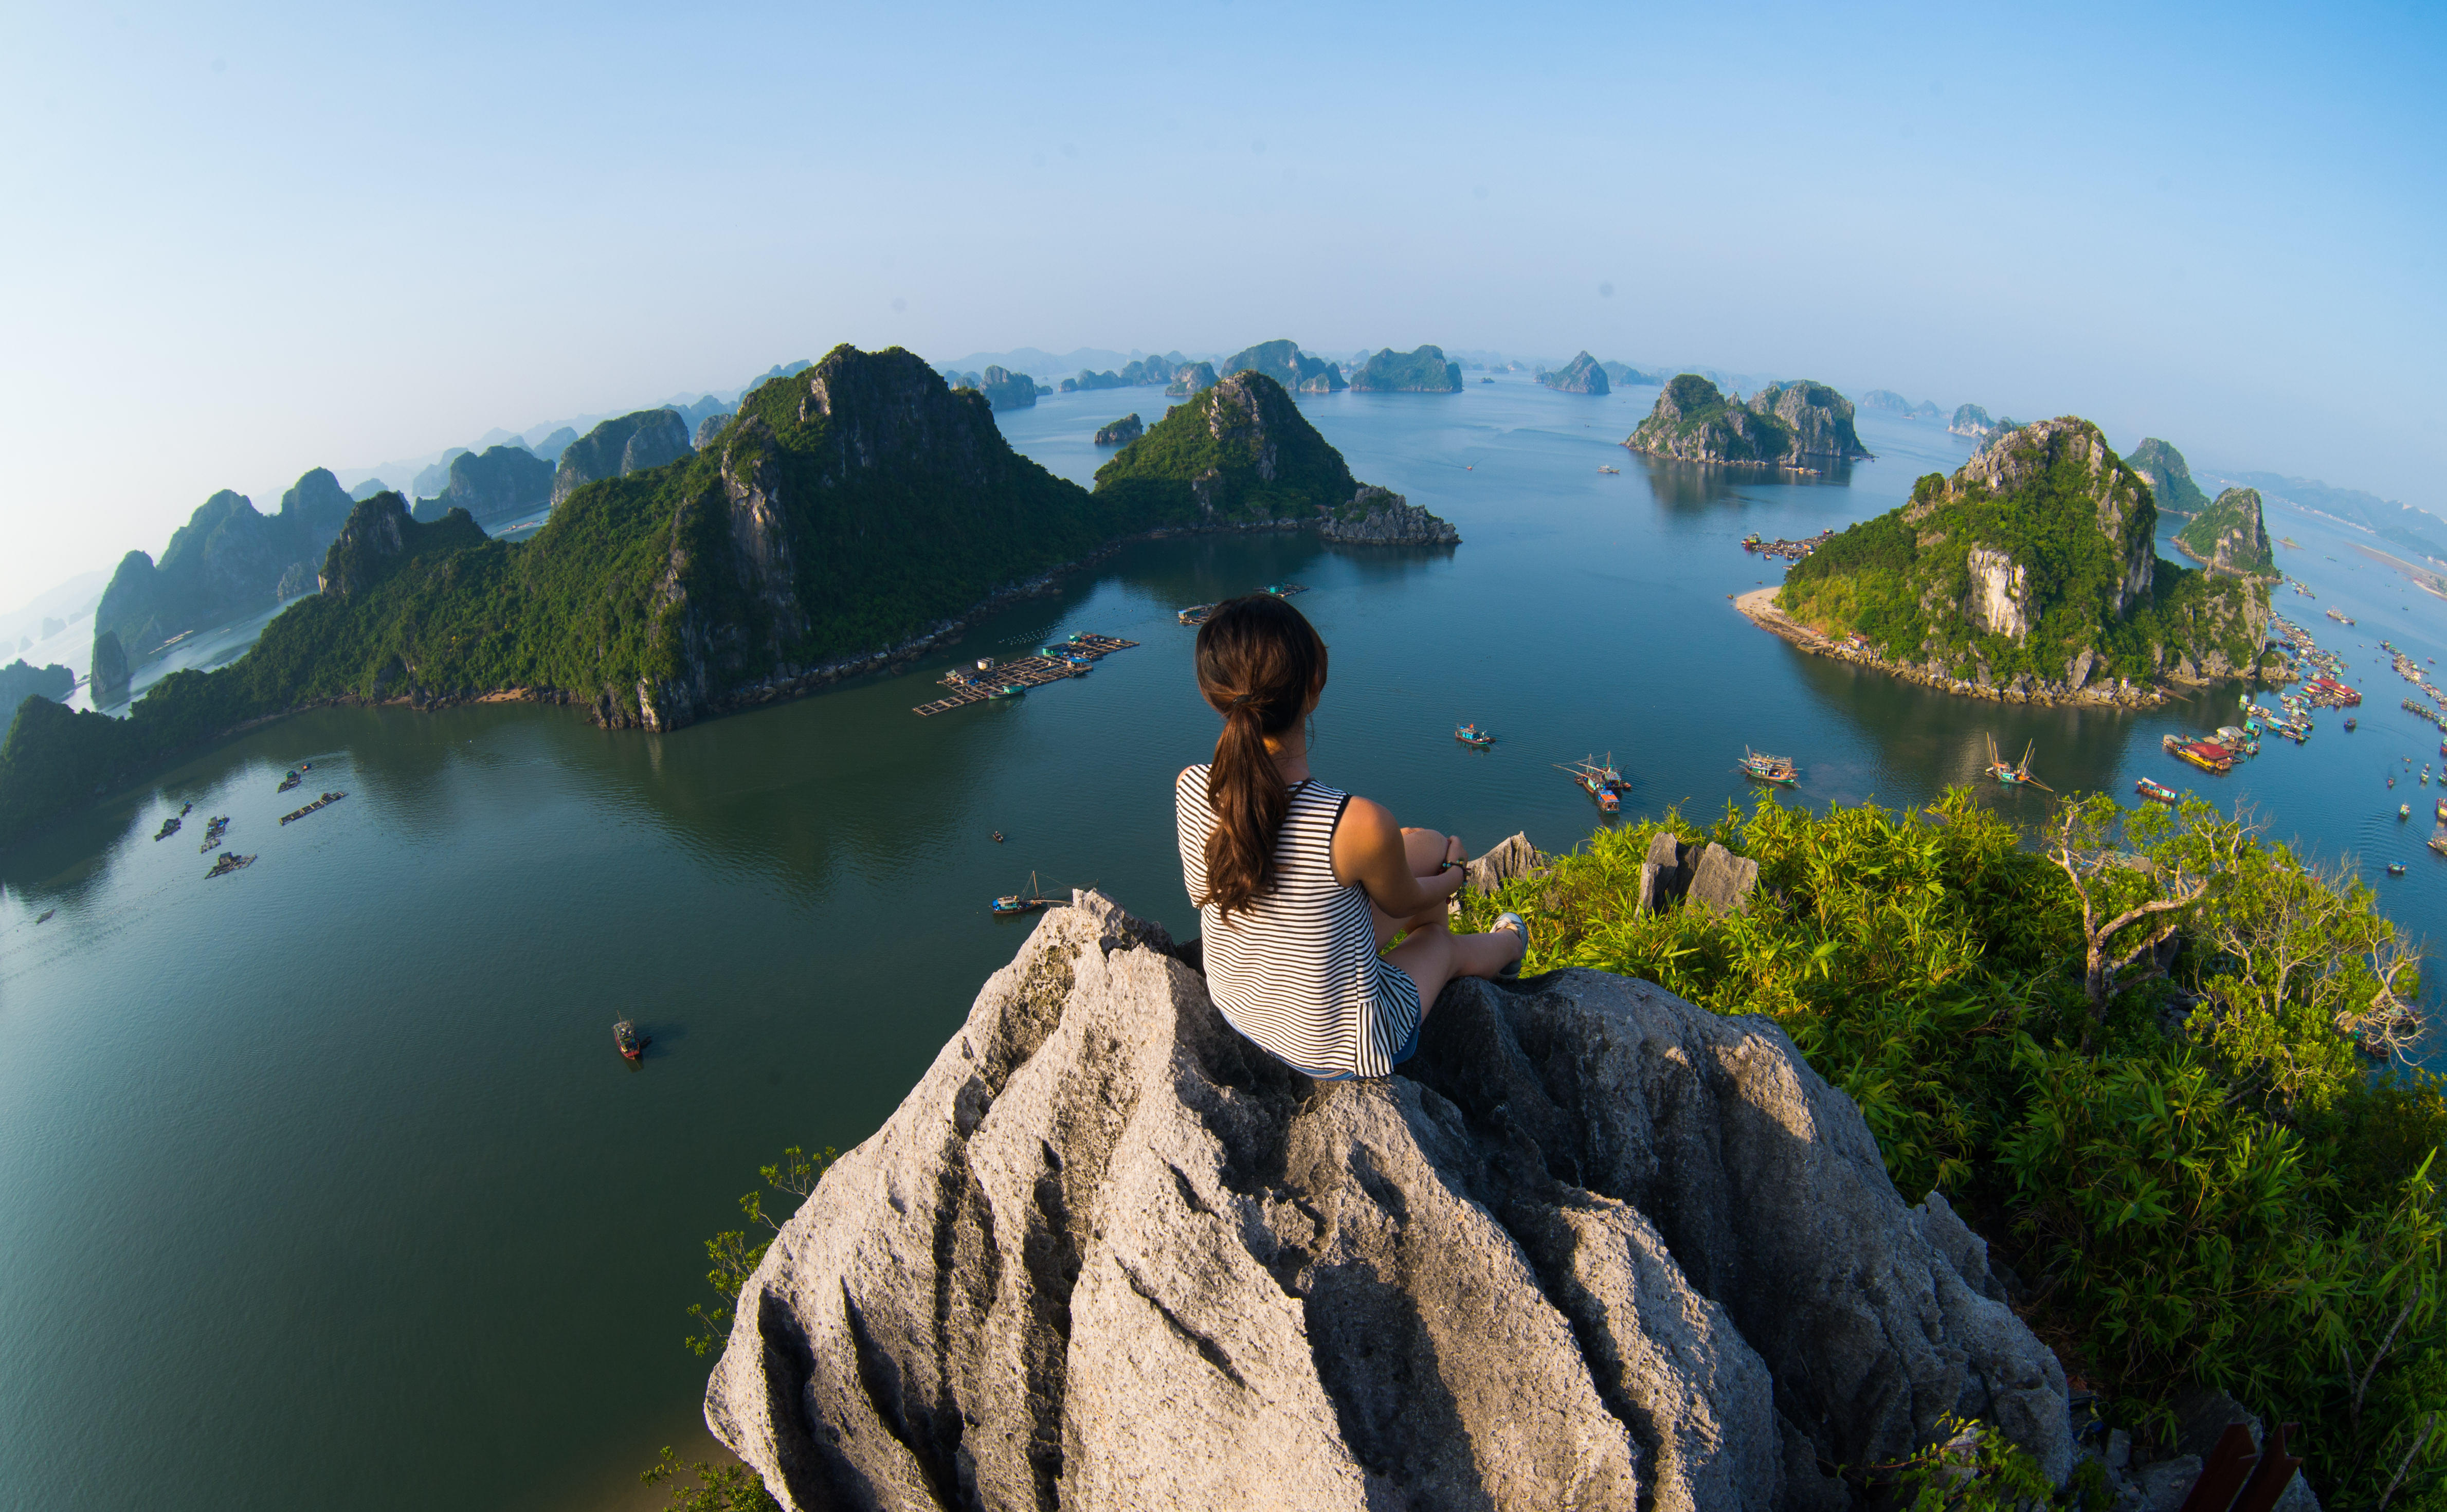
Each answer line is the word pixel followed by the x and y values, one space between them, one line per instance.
pixel 1758 606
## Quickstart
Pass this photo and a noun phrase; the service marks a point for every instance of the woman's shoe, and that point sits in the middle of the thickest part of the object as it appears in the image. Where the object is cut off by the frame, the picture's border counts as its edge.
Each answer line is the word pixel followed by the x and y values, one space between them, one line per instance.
pixel 1519 926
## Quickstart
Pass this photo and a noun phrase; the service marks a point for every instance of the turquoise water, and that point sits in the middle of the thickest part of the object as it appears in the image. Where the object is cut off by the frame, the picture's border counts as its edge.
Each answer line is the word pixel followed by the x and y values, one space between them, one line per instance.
pixel 323 1182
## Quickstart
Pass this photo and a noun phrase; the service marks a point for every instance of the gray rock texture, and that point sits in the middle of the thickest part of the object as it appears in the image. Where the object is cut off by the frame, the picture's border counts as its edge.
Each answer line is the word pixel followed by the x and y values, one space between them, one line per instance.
pixel 709 427
pixel 1785 424
pixel 1380 517
pixel 1509 860
pixel 1595 1248
pixel 1005 389
pixel 1722 882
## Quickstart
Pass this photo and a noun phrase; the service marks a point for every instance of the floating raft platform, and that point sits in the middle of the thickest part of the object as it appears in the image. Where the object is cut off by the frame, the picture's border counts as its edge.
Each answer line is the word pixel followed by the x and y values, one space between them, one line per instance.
pixel 322 802
pixel 968 687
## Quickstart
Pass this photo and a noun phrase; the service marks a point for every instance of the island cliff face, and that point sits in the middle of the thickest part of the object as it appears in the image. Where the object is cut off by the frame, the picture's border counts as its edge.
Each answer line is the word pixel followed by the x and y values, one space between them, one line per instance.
pixel 226 560
pixel 503 482
pixel 1584 375
pixel 1593 1247
pixel 2032 571
pixel 1785 424
pixel 625 445
pixel 1005 389
pixel 1121 432
pixel 2170 482
pixel 1287 365
pixel 1424 371
pixel 2229 534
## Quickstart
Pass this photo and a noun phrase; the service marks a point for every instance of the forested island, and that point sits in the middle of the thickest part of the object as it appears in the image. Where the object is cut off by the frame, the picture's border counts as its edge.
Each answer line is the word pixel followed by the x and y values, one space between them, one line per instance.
pixel 2228 535
pixel 1584 375
pixel 1287 365
pixel 2033 574
pixel 1424 371
pixel 2170 480
pixel 842 519
pixel 1784 424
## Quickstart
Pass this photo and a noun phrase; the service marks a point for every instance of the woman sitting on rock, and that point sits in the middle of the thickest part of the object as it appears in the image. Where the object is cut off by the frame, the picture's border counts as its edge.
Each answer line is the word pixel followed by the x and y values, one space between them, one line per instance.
pixel 1299 885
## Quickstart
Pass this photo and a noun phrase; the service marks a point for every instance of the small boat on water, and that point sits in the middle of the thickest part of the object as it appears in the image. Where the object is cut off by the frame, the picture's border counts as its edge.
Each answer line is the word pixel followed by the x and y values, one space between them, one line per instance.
pixel 1008 691
pixel 228 863
pixel 2156 789
pixel 1473 737
pixel 631 1039
pixel 1027 902
pixel 45 916
pixel 169 827
pixel 2395 868
pixel 2438 840
pixel 1616 471
pixel 292 780
pixel 1766 768
pixel 2405 810
pixel 2349 724
pixel 213 833
pixel 2014 774
pixel 1592 780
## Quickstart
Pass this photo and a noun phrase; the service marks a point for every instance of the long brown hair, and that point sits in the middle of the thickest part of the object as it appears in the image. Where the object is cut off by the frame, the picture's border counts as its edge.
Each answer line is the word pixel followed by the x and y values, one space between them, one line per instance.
pixel 1259 664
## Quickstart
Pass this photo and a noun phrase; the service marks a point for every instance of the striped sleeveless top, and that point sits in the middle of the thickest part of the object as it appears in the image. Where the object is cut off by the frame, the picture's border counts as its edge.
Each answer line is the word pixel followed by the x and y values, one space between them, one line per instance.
pixel 1298 970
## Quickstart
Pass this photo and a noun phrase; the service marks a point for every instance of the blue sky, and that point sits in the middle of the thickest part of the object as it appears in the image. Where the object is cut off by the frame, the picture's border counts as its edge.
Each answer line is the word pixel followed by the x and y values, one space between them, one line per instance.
pixel 242 244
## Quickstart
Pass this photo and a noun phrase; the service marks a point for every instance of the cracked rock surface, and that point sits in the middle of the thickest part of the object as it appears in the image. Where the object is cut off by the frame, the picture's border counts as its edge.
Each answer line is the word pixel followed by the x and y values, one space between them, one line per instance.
pixel 1595 1247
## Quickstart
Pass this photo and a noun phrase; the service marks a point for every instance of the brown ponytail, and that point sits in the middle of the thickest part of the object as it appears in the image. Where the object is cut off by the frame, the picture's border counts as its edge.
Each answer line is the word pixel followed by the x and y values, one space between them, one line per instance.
pixel 1261 664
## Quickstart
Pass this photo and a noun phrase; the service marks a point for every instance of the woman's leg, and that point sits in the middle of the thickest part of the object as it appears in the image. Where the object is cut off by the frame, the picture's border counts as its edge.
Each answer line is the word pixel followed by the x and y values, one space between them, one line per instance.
pixel 1431 954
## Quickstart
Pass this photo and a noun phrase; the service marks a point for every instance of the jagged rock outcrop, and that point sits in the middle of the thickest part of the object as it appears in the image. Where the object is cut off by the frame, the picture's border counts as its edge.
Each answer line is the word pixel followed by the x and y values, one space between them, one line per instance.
pixel 1970 420
pixel 1584 375
pixel 1190 379
pixel 1819 418
pixel 501 481
pixel 1238 452
pixel 1287 365
pixel 1121 432
pixel 2231 534
pixel 1593 1247
pixel 381 537
pixel 708 429
pixel 1380 517
pixel 2170 482
pixel 1974 584
pixel 227 560
pixel 109 681
pixel 1423 371
pixel 1785 424
pixel 621 446
pixel 1005 389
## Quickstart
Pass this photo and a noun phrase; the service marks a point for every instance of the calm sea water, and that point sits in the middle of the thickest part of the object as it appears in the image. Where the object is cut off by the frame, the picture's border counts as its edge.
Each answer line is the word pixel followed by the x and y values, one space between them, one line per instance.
pixel 322 1183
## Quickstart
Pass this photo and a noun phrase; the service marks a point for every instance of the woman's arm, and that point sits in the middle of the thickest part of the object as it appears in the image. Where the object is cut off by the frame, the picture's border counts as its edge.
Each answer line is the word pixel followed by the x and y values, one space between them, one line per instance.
pixel 1369 849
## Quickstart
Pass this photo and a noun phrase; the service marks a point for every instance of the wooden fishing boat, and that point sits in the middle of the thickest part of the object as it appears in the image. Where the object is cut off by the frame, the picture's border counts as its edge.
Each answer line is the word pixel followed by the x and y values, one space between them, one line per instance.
pixel 292 780
pixel 2395 868
pixel 2438 840
pixel 2349 725
pixel 1766 768
pixel 1008 691
pixel 2405 810
pixel 2156 789
pixel 631 1039
pixel 45 916
pixel 2014 774
pixel 169 827
pixel 1590 778
pixel 1473 737
pixel 1614 471
pixel 228 863
pixel 1027 902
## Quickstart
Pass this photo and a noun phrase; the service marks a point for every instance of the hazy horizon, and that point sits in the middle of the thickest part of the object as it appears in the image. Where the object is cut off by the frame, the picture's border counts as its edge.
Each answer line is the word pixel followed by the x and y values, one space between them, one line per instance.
pixel 252 244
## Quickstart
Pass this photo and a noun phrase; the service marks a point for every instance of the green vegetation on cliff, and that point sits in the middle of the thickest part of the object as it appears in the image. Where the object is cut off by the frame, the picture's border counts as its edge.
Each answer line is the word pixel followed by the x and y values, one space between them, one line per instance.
pixel 1238 452
pixel 2038 551
pixel 1424 371
pixel 848 509
pixel 2170 480
pixel 2229 534
pixel 21 680
pixel 2197 1178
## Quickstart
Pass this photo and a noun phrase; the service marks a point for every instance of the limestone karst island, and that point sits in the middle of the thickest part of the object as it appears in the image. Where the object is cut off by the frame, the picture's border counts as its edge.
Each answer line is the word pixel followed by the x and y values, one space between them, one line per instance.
pixel 1224 761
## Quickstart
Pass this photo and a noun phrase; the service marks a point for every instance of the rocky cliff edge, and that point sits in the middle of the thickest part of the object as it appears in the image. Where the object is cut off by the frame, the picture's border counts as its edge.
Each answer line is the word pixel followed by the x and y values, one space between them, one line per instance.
pixel 1594 1247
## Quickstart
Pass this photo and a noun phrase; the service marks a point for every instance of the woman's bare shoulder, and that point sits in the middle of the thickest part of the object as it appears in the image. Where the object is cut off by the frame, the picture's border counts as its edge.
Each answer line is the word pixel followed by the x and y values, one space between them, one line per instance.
pixel 1365 818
